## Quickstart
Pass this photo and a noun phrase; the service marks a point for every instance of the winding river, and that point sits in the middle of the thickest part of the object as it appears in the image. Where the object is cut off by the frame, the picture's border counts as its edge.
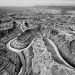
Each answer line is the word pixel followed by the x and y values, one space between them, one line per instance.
pixel 21 51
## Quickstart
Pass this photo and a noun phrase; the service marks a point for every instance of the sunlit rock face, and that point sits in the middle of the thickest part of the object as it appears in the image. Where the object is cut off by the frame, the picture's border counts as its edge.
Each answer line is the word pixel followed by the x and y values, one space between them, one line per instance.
pixel 42 59
pixel 10 63
pixel 51 49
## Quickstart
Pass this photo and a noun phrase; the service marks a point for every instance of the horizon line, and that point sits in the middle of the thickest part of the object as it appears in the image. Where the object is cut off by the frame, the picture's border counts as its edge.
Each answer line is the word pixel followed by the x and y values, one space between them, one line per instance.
pixel 53 4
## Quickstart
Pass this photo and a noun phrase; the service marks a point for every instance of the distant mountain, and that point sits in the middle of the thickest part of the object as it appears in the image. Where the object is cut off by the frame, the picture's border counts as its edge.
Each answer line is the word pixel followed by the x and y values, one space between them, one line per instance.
pixel 62 6
pixel 51 6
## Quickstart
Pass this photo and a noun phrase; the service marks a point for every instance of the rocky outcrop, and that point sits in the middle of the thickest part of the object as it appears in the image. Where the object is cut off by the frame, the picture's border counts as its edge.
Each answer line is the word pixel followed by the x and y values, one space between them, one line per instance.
pixel 10 62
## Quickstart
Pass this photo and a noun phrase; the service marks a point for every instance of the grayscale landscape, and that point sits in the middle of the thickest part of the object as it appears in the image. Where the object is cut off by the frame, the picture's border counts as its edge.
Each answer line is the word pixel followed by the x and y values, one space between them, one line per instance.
pixel 37 40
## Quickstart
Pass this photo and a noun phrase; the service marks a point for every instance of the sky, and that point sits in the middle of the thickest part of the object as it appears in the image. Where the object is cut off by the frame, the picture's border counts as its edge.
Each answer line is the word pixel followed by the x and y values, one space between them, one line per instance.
pixel 34 2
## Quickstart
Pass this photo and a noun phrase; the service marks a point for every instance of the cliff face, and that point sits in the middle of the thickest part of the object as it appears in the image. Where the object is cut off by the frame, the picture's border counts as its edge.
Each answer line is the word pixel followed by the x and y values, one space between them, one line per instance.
pixel 29 34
